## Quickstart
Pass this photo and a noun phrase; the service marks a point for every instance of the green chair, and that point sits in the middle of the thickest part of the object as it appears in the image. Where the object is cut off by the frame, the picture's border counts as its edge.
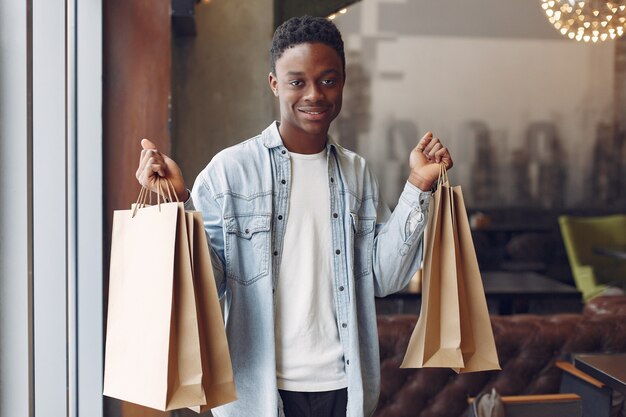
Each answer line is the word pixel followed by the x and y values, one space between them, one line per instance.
pixel 593 273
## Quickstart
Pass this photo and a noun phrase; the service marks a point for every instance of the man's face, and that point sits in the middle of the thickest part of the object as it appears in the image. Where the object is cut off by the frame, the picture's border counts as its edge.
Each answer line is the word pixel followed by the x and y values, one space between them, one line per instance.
pixel 309 83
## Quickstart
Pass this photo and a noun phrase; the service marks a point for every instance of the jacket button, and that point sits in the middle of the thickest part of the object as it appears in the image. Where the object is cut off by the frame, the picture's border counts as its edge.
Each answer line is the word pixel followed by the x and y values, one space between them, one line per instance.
pixel 341 288
pixel 280 217
pixel 247 231
pixel 335 215
pixel 284 152
pixel 332 179
pixel 275 253
pixel 337 251
pixel 344 325
pixel 421 201
pixel 348 362
pixel 283 182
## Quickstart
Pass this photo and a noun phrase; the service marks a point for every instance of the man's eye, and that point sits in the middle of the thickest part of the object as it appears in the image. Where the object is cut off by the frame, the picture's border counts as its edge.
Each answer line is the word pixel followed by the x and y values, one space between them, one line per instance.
pixel 295 83
pixel 328 82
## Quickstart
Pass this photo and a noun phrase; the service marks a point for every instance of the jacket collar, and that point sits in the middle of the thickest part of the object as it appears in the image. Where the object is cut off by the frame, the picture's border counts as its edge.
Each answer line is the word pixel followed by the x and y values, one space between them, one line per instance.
pixel 271 138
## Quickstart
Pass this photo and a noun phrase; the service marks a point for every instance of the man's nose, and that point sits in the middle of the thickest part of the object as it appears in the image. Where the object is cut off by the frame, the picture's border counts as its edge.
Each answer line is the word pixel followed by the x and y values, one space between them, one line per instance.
pixel 314 92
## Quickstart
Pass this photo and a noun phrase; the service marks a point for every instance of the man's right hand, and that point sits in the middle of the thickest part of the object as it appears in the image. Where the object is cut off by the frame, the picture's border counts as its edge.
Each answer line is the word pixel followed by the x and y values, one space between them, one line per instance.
pixel 154 165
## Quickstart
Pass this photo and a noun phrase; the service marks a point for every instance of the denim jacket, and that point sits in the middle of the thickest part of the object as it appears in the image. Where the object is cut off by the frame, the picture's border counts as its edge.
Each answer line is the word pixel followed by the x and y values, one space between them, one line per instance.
pixel 243 194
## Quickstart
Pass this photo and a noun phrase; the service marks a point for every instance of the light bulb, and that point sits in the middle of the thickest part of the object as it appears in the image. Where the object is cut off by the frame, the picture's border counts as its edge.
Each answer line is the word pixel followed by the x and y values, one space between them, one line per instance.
pixel 588 21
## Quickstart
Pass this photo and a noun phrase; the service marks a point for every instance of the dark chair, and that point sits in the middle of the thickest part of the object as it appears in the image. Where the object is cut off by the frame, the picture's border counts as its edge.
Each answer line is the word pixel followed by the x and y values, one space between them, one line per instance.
pixel 596 397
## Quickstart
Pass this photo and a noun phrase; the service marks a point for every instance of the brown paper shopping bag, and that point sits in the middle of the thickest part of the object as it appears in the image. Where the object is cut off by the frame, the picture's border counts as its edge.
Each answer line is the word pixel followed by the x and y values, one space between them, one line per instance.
pixel 166 345
pixel 217 372
pixel 436 339
pixel 453 330
pixel 152 310
pixel 477 341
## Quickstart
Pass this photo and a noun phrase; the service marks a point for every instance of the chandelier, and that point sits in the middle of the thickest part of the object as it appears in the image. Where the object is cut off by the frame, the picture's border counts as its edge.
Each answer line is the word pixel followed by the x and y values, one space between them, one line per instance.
pixel 588 20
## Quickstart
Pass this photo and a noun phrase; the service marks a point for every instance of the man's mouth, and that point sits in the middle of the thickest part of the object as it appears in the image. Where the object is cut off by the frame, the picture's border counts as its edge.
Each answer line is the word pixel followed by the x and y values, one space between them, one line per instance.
pixel 313 111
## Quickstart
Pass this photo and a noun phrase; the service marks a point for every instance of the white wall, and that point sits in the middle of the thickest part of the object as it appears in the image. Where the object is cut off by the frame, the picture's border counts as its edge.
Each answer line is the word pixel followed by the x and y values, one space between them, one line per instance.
pixel 442 66
pixel 506 83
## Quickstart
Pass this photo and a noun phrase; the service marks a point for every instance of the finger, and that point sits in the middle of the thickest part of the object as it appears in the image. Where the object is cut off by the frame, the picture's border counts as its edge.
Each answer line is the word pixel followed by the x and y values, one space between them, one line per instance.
pixel 423 142
pixel 149 156
pixel 432 144
pixel 157 165
pixel 152 153
pixel 150 170
pixel 151 166
pixel 143 160
pixel 146 154
pixel 432 150
pixel 148 179
pixel 443 156
pixel 147 144
pixel 150 150
pixel 440 153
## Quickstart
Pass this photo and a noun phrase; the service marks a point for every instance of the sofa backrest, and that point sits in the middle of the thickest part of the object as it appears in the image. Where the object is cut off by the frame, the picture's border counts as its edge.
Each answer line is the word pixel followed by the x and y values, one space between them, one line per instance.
pixel 528 347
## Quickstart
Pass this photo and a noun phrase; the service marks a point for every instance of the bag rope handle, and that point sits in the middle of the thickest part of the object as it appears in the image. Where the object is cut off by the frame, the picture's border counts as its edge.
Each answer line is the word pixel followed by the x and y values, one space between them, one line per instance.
pixel 443 175
pixel 165 189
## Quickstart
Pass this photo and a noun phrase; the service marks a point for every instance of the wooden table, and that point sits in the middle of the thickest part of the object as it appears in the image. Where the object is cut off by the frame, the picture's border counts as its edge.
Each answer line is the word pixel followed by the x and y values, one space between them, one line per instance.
pixel 607 368
pixel 511 291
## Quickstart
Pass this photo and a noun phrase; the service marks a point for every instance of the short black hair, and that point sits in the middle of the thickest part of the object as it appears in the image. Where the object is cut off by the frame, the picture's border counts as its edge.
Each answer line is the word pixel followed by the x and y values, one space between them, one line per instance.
pixel 305 29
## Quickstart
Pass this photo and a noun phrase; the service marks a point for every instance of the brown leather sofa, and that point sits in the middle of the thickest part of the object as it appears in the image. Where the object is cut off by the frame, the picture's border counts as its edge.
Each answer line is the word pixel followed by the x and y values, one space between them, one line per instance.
pixel 528 347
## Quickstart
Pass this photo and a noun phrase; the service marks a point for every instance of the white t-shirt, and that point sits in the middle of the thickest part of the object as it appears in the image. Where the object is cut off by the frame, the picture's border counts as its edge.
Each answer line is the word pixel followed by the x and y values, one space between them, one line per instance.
pixel 309 355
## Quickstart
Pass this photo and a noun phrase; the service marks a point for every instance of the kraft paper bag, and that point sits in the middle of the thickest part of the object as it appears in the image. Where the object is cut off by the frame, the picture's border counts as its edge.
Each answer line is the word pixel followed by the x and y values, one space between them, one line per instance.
pixel 453 329
pixel 217 372
pixel 477 342
pixel 153 340
pixel 436 339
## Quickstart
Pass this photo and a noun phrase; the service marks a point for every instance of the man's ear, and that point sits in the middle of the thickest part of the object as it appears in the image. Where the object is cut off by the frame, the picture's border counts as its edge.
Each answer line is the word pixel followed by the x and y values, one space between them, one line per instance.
pixel 273 83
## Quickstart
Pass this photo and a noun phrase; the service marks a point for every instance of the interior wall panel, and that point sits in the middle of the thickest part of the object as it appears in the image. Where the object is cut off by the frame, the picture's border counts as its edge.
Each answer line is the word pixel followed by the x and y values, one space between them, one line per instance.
pixel 136 91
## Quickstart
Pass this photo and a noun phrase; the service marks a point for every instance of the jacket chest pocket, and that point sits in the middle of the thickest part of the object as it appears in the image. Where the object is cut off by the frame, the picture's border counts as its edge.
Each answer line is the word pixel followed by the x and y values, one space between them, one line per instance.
pixel 247 247
pixel 363 235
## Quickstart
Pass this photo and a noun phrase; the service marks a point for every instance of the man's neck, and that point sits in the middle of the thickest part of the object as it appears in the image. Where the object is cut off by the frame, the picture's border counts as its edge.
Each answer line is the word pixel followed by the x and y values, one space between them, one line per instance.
pixel 303 143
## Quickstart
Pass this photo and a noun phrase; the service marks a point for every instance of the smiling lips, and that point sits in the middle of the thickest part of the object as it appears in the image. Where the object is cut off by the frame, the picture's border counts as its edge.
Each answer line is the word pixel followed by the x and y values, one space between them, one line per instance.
pixel 314 113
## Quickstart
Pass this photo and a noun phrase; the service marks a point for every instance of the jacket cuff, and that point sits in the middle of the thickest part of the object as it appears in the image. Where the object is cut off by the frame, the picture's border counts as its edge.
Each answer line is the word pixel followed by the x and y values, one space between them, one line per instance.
pixel 189 203
pixel 415 198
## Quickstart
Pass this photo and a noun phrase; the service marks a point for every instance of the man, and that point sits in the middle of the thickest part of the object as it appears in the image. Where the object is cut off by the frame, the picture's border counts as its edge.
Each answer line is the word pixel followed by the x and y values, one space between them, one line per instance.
pixel 300 242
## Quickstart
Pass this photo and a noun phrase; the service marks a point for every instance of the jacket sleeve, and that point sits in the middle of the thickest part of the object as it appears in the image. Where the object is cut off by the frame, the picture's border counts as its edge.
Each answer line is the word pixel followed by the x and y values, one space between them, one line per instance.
pixel 398 241
pixel 202 199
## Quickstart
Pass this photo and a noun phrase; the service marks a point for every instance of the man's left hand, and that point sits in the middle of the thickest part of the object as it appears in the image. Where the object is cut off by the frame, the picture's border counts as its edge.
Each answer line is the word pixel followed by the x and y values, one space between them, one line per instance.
pixel 425 159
